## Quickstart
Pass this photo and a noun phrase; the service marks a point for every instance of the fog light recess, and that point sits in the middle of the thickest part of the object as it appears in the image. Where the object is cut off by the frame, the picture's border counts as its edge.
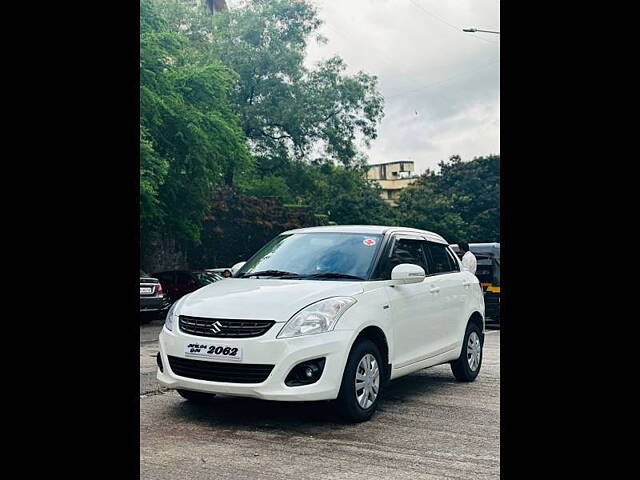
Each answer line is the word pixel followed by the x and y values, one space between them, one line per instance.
pixel 305 373
pixel 159 362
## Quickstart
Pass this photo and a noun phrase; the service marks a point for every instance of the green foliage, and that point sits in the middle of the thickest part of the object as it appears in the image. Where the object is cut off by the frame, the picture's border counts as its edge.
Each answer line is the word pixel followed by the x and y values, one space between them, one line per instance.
pixel 343 194
pixel 348 197
pixel 474 188
pixel 286 109
pixel 461 202
pixel 269 186
pixel 191 139
pixel 212 88
pixel 153 171
pixel 238 225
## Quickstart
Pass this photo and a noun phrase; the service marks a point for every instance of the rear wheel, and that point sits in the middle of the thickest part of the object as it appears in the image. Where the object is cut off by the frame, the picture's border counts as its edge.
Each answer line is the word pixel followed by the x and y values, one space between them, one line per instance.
pixel 361 382
pixel 197 397
pixel 467 366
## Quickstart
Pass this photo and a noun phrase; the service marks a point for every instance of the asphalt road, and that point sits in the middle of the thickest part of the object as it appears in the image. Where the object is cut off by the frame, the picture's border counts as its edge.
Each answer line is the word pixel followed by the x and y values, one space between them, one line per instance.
pixel 427 426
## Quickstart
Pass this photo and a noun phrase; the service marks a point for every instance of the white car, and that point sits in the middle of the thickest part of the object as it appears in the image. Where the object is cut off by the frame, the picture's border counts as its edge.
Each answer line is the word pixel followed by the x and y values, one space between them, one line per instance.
pixel 327 313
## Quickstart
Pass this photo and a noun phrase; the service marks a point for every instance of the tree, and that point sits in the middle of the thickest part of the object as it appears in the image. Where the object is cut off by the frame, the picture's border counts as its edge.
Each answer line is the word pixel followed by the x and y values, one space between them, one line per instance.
pixel 461 201
pixel 474 189
pixel 238 225
pixel 191 139
pixel 226 100
pixel 344 194
pixel 286 110
pixel 348 198
pixel 421 206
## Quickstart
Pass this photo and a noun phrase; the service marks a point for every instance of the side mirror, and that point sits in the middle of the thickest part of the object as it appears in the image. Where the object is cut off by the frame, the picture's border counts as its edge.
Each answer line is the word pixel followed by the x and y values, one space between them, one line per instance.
pixel 237 267
pixel 407 273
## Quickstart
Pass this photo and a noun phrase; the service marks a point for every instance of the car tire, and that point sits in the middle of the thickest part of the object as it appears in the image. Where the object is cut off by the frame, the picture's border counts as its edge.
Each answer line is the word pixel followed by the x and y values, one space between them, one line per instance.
pixel 196 397
pixel 349 404
pixel 145 318
pixel 467 366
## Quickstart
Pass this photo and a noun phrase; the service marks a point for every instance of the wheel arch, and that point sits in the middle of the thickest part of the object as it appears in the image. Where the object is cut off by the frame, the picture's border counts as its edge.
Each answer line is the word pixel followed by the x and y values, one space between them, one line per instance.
pixel 476 317
pixel 377 336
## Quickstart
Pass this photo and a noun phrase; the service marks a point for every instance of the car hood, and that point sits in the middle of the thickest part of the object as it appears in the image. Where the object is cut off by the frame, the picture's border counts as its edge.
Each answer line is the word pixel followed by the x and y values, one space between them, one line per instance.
pixel 257 299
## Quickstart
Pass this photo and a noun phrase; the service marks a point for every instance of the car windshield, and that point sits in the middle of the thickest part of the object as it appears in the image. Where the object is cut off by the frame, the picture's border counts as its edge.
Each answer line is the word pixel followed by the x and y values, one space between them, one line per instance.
pixel 347 256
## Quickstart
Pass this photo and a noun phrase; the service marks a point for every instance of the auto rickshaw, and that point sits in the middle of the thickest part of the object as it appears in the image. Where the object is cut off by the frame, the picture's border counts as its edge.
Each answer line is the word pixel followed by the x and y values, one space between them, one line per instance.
pixel 488 272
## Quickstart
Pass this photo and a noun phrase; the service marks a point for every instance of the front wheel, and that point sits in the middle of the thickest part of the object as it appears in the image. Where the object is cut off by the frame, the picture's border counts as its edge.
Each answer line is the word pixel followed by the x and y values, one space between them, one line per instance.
pixel 467 366
pixel 361 382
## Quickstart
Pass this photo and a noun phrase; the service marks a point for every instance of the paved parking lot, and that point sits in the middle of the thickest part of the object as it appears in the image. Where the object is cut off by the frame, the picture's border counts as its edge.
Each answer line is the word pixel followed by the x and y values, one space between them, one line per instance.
pixel 427 426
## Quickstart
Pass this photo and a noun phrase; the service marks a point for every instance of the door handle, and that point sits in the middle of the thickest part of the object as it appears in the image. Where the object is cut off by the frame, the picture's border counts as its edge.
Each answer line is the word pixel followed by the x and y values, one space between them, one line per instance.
pixel 434 289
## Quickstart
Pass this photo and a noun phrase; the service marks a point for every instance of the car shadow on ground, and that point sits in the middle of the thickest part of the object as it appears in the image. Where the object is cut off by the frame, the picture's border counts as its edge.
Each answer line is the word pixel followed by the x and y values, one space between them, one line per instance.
pixel 303 417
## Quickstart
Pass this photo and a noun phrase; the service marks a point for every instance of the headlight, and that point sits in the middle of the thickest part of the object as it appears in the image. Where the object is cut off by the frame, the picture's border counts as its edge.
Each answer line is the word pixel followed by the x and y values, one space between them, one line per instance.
pixel 172 317
pixel 318 317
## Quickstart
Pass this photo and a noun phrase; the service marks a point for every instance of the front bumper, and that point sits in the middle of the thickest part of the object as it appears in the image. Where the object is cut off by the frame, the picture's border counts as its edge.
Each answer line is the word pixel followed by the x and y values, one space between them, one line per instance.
pixel 284 353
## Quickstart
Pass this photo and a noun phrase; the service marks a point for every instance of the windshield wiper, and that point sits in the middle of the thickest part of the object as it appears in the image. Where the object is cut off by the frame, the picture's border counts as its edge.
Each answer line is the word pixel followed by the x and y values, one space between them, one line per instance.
pixel 269 273
pixel 332 275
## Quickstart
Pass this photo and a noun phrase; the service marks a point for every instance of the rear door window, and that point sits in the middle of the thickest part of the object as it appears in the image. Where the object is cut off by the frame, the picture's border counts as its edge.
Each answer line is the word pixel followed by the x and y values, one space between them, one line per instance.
pixel 440 261
pixel 455 266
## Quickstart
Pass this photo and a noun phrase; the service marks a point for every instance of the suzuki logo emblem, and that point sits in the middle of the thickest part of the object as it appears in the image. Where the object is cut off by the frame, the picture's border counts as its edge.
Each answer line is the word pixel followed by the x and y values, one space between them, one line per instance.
pixel 216 327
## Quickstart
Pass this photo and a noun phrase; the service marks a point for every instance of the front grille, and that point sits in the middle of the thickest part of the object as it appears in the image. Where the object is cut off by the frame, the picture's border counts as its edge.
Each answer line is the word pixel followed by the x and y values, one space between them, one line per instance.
pixel 220 371
pixel 223 328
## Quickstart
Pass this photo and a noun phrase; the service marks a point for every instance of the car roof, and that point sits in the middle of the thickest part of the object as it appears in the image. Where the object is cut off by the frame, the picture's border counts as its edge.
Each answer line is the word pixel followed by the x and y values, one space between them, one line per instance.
pixel 369 229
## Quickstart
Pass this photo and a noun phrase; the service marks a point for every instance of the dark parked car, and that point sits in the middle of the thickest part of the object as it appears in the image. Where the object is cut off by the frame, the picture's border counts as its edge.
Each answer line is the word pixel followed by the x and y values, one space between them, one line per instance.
pixel 154 302
pixel 488 272
pixel 178 283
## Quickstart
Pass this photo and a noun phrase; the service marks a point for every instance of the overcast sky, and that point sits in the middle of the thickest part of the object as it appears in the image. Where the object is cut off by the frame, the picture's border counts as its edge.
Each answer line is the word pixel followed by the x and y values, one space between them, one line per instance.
pixel 441 86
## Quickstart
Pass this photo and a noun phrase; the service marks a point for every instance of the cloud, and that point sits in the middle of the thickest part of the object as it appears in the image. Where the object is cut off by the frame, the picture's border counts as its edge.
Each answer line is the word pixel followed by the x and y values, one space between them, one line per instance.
pixel 441 86
pixel 425 64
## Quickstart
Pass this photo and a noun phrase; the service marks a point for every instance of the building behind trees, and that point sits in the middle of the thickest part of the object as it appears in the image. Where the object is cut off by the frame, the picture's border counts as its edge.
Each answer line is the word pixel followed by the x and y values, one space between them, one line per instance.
pixel 392 177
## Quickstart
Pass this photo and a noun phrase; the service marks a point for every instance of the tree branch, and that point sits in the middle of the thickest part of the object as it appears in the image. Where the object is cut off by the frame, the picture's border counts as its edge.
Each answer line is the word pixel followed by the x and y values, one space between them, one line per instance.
pixel 332 114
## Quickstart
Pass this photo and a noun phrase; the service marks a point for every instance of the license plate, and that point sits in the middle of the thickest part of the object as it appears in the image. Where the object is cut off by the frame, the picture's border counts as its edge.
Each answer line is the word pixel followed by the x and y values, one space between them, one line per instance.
pixel 213 351
pixel 147 290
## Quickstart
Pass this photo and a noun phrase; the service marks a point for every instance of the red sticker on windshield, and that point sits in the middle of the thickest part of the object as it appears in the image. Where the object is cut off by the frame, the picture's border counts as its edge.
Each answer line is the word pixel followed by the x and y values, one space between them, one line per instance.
pixel 369 242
